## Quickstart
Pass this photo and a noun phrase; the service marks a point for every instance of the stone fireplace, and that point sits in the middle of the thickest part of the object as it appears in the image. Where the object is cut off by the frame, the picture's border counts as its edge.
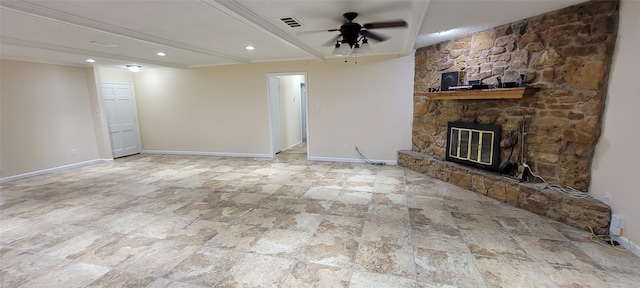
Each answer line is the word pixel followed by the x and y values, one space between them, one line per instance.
pixel 566 55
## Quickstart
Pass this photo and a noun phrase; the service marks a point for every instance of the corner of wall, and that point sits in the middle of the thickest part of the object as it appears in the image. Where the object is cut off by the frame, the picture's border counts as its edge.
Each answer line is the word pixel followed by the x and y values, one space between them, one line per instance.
pixel 99 118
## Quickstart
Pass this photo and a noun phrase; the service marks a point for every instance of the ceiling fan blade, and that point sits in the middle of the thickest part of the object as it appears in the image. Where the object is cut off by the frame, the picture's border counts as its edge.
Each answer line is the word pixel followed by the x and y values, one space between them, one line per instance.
pixel 333 41
pixel 301 33
pixel 373 36
pixel 390 24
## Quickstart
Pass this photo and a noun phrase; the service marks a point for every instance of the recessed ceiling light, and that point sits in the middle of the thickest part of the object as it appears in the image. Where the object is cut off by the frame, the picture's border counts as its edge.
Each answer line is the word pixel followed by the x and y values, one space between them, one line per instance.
pixel 250 48
pixel 161 54
pixel 134 68
pixel 91 60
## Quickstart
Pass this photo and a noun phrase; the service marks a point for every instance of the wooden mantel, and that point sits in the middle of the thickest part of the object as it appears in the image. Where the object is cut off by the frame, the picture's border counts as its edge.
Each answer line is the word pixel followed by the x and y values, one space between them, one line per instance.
pixel 499 93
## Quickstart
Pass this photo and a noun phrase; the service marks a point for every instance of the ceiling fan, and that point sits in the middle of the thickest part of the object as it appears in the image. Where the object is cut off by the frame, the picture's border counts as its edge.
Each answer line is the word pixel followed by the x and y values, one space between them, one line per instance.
pixel 354 34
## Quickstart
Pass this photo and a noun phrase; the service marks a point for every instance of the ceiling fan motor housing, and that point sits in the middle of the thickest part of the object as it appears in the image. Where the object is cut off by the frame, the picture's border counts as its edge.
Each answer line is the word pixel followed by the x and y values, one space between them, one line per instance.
pixel 350 33
pixel 350 16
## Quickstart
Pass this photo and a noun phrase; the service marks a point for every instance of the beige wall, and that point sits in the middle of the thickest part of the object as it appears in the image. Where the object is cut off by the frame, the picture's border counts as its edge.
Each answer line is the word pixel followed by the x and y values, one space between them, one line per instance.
pixel 218 110
pixel 99 119
pixel 112 75
pixel 224 109
pixel 49 109
pixel 290 109
pixel 368 105
pixel 615 167
pixel 46 111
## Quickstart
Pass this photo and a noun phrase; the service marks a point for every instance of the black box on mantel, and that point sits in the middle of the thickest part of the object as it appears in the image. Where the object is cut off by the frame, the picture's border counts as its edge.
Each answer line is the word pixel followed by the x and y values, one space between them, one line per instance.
pixel 449 79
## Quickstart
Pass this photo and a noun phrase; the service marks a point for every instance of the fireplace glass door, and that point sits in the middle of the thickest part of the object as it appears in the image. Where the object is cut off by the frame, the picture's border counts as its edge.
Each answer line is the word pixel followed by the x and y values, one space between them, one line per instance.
pixel 473 144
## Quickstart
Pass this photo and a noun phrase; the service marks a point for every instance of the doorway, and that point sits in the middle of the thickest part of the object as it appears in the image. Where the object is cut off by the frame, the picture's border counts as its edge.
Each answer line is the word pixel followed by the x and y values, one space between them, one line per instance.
pixel 122 118
pixel 288 111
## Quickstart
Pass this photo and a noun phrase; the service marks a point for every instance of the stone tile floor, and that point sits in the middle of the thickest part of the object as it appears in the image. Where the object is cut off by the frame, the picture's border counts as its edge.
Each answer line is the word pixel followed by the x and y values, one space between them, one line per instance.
pixel 194 221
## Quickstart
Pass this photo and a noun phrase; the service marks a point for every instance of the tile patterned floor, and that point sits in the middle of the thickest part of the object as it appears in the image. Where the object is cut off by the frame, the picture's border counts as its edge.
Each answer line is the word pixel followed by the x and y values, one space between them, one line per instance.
pixel 189 221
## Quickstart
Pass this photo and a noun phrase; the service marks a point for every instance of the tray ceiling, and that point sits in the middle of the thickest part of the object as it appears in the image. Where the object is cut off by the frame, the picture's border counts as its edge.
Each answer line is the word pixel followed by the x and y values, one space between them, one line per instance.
pixel 215 32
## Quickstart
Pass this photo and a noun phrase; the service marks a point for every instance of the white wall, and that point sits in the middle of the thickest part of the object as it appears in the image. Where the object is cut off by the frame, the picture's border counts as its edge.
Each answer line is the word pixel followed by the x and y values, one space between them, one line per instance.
pixel 224 109
pixel 46 112
pixel 615 168
pixel 290 109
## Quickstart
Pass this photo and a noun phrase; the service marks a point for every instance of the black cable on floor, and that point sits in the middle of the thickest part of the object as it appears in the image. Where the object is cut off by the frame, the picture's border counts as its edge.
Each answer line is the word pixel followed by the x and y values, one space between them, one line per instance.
pixel 366 160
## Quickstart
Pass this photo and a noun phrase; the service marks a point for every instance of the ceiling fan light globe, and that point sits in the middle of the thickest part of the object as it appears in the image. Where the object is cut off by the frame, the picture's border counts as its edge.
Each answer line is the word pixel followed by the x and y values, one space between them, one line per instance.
pixel 356 52
pixel 338 51
pixel 344 49
pixel 365 47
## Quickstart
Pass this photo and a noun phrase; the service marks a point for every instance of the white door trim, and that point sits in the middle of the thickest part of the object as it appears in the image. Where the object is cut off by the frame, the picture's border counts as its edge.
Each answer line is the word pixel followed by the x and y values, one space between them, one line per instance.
pixel 275 132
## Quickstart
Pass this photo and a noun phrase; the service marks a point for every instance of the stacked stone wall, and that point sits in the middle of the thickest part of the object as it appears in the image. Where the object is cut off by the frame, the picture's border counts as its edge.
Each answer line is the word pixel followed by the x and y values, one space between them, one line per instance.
pixel 566 53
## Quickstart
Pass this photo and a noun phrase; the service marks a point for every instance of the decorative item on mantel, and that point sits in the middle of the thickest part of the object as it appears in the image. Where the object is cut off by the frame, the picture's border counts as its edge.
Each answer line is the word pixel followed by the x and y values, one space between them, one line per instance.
pixel 476 90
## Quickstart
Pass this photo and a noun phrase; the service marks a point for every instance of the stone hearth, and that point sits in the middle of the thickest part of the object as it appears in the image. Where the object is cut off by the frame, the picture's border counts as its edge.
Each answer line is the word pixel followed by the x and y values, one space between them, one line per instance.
pixel 577 212
pixel 566 55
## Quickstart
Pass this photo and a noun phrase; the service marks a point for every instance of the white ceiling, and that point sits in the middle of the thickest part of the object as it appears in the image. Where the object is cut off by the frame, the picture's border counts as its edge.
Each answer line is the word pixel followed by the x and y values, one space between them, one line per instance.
pixel 215 32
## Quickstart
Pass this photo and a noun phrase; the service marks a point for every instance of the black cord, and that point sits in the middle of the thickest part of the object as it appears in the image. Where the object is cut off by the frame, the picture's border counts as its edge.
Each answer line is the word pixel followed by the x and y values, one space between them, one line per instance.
pixel 511 153
pixel 366 160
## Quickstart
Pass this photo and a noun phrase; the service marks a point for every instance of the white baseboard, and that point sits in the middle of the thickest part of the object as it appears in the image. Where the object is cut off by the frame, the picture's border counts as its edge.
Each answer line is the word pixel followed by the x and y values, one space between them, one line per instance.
pixel 629 245
pixel 291 146
pixel 201 153
pixel 54 169
pixel 252 155
pixel 351 160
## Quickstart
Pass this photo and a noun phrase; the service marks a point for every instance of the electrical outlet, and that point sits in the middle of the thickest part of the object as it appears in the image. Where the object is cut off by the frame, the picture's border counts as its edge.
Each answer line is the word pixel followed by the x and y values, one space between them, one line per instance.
pixel 632 246
pixel 607 198
pixel 73 152
pixel 617 224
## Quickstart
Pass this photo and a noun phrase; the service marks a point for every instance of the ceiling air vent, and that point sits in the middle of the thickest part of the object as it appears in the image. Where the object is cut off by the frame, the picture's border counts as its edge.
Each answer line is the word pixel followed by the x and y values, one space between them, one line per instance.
pixel 291 21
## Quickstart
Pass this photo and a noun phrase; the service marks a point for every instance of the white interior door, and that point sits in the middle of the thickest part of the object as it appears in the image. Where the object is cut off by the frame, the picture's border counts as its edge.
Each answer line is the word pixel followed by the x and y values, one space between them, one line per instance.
pixel 122 119
pixel 274 113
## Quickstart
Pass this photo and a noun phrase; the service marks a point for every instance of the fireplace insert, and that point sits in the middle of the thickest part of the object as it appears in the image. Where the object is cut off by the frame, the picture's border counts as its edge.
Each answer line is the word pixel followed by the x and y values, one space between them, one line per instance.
pixel 472 144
